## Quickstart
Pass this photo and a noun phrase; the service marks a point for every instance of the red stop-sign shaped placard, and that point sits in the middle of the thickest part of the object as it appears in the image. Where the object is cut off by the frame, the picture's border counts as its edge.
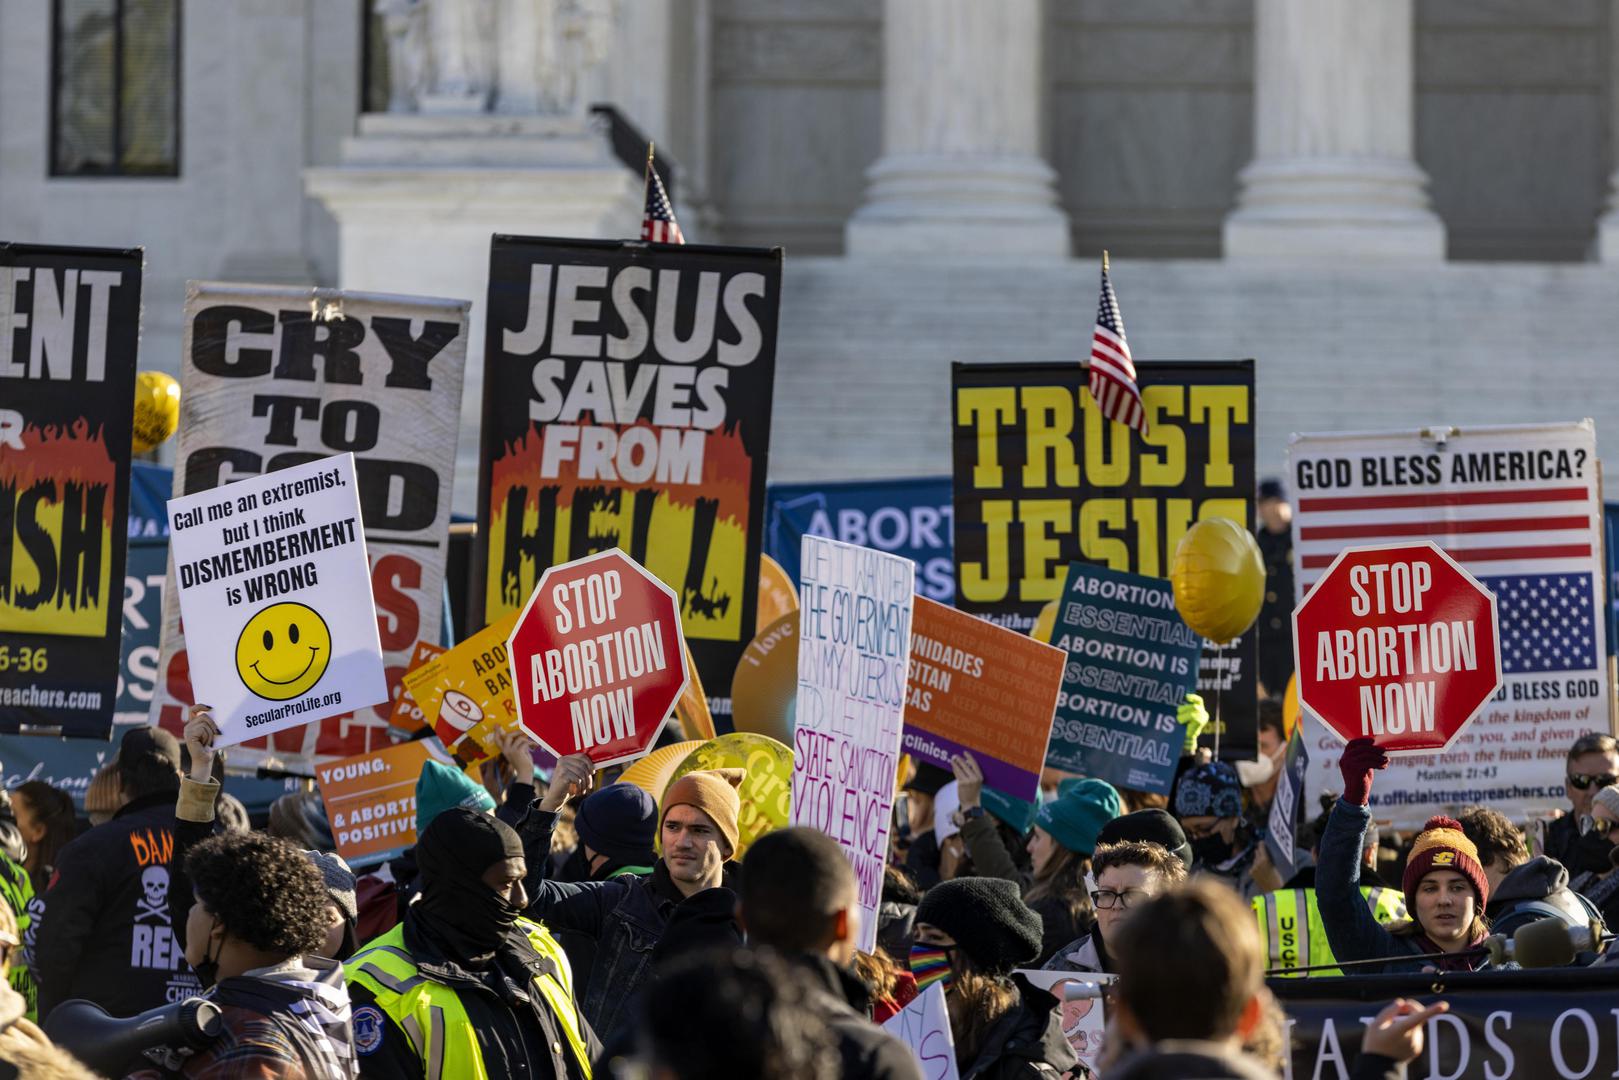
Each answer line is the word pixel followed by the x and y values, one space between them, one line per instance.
pixel 597 658
pixel 1397 643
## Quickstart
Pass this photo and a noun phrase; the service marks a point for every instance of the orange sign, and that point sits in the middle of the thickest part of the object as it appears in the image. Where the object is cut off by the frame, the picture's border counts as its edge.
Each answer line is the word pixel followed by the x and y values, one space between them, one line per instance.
pixel 980 687
pixel 407 716
pixel 371 801
pixel 465 694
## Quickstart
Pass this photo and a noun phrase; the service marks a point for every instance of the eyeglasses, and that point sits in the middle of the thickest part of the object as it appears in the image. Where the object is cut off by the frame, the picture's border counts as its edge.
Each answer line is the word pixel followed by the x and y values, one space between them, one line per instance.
pixel 1585 783
pixel 1108 899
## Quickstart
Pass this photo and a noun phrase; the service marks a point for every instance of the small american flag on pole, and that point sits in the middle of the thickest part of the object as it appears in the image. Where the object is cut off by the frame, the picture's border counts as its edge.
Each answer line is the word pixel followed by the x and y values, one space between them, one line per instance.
pixel 1113 372
pixel 658 224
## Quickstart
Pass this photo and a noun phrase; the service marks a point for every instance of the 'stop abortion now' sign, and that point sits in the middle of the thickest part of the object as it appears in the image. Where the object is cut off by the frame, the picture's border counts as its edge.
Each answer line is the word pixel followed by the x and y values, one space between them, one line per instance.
pixel 1397 644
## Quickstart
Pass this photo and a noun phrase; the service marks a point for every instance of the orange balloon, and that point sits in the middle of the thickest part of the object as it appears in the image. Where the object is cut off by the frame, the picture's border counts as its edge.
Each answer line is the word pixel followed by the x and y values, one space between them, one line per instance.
pixel 764 689
pixel 691 711
pixel 1290 706
pixel 776 594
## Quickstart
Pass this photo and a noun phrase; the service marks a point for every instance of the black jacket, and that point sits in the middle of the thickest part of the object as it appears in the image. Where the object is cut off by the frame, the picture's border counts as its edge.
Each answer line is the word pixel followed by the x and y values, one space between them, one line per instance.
pixel 922 860
pixel 1192 1060
pixel 1560 839
pixel 844 1003
pixel 517 1037
pixel 615 923
pixel 1536 890
pixel 1027 1043
pixel 106 932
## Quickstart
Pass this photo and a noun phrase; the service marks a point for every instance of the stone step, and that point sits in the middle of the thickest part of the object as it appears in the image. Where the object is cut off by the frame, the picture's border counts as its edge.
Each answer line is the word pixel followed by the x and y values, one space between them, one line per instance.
pixel 863 367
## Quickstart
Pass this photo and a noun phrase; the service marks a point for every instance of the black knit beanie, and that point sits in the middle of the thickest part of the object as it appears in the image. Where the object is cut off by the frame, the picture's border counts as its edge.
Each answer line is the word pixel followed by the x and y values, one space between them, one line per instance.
pixel 988 919
pixel 1150 826
pixel 619 821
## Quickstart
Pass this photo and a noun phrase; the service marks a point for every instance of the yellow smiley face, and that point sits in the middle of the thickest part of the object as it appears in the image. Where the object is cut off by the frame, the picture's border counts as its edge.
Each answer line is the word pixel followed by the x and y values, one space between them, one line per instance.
pixel 283 651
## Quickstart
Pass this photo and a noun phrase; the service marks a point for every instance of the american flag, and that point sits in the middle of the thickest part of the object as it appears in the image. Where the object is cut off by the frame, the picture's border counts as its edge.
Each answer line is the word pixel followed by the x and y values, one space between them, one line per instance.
pixel 1547 622
pixel 1113 372
pixel 658 224
pixel 1534 545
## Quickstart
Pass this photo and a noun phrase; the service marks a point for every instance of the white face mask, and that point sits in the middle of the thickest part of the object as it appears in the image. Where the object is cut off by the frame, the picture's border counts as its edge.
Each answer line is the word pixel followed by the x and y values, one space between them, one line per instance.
pixel 1252 773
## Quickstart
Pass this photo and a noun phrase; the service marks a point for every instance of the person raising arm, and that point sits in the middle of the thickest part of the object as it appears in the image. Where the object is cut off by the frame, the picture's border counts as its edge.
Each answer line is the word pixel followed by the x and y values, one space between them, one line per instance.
pixel 1445 888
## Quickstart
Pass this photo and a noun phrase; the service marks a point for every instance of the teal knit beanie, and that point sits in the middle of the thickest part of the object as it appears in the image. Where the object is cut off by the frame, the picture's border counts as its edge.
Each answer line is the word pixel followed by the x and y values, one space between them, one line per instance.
pixel 1078 813
pixel 441 787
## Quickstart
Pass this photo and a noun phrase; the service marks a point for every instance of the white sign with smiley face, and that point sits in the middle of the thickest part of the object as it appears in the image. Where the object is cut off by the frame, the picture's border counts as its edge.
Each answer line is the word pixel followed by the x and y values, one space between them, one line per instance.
pixel 275 599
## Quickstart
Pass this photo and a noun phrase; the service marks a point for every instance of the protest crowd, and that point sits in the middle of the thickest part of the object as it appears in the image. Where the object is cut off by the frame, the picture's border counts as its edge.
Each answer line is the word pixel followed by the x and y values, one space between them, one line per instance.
pixel 617 792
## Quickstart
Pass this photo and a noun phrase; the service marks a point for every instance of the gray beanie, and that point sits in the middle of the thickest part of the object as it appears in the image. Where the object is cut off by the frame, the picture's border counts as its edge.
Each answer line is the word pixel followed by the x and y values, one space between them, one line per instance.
pixel 339 881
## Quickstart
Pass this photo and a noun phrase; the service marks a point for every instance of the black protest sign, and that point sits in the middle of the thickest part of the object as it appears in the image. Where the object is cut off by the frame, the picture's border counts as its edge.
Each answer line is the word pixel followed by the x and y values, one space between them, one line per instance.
pixel 1501 1024
pixel 1042 479
pixel 69 330
pixel 627 395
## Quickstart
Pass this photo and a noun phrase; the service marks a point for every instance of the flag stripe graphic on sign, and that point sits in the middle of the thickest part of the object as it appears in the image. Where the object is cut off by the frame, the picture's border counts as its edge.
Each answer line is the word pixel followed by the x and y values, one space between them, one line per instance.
pixel 1516 530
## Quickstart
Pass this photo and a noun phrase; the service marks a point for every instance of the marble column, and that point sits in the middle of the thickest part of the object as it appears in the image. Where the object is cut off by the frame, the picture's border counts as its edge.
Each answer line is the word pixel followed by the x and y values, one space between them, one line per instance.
pixel 265 94
pixel 961 170
pixel 1333 174
pixel 1607 238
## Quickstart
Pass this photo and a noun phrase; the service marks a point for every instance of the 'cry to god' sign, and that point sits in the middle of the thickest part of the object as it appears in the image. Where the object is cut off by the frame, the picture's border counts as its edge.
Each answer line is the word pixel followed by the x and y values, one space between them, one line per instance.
pixel 597 658
pixel 1398 644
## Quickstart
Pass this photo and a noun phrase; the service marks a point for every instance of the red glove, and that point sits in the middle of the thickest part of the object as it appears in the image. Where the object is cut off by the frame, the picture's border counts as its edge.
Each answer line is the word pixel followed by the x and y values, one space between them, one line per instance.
pixel 1361 756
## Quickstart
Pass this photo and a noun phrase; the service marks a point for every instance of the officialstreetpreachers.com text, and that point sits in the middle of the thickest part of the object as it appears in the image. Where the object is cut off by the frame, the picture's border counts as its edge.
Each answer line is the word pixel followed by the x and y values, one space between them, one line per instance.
pixel 1464 795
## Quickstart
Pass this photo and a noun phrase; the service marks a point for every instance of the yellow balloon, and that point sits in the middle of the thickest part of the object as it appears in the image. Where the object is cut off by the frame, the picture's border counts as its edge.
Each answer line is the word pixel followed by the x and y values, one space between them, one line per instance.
pixel 157 409
pixel 766 791
pixel 1290 706
pixel 651 774
pixel 1045 622
pixel 1219 579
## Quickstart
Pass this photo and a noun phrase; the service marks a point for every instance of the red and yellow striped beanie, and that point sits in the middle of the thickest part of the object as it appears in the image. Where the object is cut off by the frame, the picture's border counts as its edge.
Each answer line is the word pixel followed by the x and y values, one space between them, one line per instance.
pixel 1441 845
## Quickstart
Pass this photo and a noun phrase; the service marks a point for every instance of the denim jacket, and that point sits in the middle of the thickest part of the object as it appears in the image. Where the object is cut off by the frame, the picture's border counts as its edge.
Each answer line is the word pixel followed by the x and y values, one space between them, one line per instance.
pixel 625 916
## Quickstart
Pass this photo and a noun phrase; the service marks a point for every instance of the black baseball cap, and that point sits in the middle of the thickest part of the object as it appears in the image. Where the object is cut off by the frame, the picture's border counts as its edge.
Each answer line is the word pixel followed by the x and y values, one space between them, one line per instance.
pixel 149 742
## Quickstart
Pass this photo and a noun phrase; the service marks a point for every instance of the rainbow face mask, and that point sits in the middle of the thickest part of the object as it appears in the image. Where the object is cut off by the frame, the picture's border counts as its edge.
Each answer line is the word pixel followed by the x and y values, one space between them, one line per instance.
pixel 931 964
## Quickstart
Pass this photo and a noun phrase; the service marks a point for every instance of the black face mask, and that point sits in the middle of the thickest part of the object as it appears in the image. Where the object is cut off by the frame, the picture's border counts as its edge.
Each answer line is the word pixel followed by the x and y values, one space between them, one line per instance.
pixel 1211 850
pixel 1592 854
pixel 207 969
pixel 468 918
pixel 1214 849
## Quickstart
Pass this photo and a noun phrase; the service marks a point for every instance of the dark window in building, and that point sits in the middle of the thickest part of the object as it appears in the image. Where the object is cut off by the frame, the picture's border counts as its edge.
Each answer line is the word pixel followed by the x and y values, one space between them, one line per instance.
pixel 374 74
pixel 115 93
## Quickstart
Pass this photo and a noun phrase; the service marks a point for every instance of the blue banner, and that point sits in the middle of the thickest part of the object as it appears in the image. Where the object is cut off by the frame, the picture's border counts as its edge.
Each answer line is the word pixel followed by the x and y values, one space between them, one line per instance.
pixel 70 764
pixel 913 518
pixel 1131 663
pixel 1610 536
pixel 143 621
pixel 150 487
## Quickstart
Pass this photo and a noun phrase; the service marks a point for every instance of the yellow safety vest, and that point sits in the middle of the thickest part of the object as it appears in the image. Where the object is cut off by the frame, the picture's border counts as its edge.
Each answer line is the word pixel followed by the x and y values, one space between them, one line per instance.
pixel 431 1014
pixel 1294 936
